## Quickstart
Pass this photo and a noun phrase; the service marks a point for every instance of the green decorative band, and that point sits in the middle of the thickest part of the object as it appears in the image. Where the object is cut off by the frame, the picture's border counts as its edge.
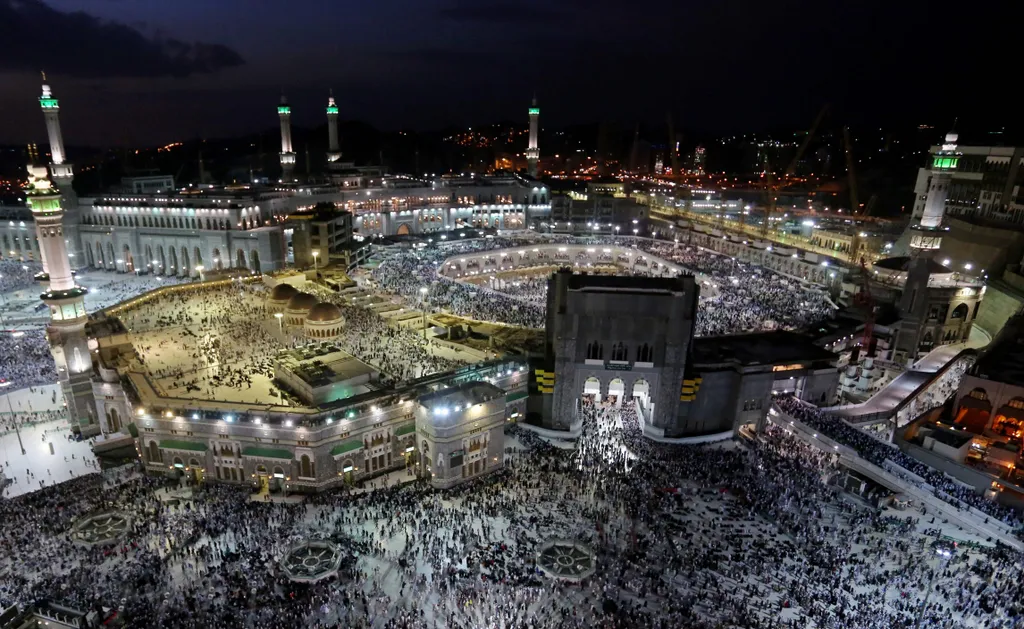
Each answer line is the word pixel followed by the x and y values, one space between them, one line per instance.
pixel 267 453
pixel 348 446
pixel 534 111
pixel 48 103
pixel 332 110
pixel 406 429
pixel 176 444
pixel 284 109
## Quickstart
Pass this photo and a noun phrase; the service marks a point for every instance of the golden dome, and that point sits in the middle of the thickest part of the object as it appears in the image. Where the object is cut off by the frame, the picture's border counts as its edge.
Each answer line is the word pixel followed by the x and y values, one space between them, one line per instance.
pixel 282 292
pixel 301 301
pixel 324 312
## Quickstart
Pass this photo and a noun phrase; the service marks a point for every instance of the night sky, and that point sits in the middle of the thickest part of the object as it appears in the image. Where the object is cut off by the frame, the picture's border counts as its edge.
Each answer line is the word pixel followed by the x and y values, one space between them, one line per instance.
pixel 131 72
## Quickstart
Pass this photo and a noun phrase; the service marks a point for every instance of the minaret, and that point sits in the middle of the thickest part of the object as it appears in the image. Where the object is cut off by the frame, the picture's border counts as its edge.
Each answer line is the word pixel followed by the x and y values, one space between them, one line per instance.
pixel 333 148
pixel 61 173
pixel 532 151
pixel 925 240
pixel 284 112
pixel 66 330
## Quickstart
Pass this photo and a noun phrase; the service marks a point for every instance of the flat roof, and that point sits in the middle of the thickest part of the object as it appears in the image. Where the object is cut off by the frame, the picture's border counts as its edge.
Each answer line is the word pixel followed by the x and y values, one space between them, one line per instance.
pixel 322 365
pixel 759 348
pixel 627 282
pixel 466 394
pixel 953 438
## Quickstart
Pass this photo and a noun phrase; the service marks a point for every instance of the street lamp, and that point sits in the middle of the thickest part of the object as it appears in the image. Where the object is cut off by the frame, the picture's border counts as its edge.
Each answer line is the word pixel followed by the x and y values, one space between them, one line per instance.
pixel 944 554
pixel 423 298
pixel 280 324
pixel 200 269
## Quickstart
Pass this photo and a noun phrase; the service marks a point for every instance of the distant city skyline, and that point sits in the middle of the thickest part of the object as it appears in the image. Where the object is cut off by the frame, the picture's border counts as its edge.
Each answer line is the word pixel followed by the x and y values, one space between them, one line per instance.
pixel 140 72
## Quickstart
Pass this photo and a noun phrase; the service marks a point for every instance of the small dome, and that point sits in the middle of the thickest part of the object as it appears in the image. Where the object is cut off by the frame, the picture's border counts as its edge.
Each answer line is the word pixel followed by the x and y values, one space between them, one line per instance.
pixel 324 312
pixel 301 301
pixel 282 292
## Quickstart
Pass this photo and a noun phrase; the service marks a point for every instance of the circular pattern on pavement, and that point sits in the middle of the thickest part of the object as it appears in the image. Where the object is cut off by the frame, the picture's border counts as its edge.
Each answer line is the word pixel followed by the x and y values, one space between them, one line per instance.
pixel 311 561
pixel 101 529
pixel 566 559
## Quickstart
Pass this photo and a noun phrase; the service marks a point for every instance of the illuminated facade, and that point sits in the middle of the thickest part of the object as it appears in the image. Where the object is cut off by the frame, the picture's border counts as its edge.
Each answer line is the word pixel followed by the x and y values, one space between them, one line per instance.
pixel 66 301
pixel 287 155
pixel 333 147
pixel 533 149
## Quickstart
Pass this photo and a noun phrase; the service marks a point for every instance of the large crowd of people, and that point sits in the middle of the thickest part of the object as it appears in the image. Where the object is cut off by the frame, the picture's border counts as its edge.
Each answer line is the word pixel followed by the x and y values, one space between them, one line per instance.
pixel 737 297
pixel 871 448
pixel 746 534
pixel 25 360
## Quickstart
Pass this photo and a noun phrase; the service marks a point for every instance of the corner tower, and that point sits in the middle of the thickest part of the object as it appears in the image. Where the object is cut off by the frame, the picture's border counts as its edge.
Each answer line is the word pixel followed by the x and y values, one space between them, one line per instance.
pixel 333 147
pixel 66 301
pixel 284 112
pixel 532 150
pixel 925 240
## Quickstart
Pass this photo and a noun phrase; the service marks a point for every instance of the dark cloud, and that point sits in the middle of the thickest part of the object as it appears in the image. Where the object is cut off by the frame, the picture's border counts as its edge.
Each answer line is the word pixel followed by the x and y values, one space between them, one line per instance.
pixel 37 37
pixel 499 12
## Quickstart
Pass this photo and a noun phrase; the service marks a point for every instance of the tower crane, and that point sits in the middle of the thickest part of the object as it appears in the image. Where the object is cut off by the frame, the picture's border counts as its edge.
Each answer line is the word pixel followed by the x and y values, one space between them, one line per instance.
pixel 851 177
pixel 866 301
pixel 772 186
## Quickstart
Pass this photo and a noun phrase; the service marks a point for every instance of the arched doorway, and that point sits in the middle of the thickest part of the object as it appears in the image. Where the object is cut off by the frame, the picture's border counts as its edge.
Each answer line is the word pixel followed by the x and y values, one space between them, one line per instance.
pixel 262 479
pixel 960 312
pixel 196 469
pixel 161 259
pixel 186 267
pixel 174 261
pixel 129 262
pixel 975 411
pixel 592 386
pixel 88 255
pixel 306 467
pixel 616 390
pixel 99 255
pixel 348 471
pixel 217 262
pixel 111 258
pixel 154 453
pixel 113 420
pixel 403 230
pixel 642 390
pixel 151 262
pixel 198 256
pixel 240 259
pixel 178 467
pixel 254 261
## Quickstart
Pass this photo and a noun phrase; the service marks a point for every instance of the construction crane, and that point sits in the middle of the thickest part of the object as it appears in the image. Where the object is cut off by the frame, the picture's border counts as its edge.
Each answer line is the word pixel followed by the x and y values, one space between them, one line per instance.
pixel 772 186
pixel 851 177
pixel 866 301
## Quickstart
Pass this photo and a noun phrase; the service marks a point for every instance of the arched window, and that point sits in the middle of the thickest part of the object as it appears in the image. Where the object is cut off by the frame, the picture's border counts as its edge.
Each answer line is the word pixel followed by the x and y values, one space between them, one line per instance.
pixel 307 467
pixel 154 453
pixel 619 352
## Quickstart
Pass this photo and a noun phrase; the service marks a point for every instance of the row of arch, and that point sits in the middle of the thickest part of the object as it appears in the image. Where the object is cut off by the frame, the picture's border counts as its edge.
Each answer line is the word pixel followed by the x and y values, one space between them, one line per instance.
pixel 307 466
pixel 165 222
pixel 166 261
pixel 619 351
pixel 639 388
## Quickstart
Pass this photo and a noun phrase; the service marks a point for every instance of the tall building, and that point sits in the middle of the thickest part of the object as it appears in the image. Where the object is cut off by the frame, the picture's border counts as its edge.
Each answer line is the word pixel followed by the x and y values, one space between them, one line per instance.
pixel 61 172
pixel 284 112
pixel 66 330
pixel 532 150
pixel 333 147
pixel 925 240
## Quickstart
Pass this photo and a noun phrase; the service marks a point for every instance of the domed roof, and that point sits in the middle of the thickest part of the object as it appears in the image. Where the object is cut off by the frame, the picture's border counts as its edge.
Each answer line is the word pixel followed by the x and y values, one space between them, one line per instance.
pixel 324 312
pixel 282 292
pixel 301 301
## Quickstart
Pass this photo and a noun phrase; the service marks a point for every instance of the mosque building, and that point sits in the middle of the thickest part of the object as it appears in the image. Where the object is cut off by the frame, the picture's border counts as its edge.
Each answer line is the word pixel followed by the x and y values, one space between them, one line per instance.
pixel 162 230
